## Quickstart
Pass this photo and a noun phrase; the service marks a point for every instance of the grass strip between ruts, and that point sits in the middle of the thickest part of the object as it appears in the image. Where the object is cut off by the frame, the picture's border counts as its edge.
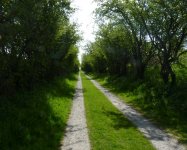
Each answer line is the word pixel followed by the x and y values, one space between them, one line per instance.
pixel 108 128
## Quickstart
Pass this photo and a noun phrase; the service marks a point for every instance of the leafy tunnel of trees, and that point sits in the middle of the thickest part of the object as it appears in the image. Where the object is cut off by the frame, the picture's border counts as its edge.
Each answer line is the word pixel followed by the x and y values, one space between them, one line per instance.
pixel 140 40
pixel 37 42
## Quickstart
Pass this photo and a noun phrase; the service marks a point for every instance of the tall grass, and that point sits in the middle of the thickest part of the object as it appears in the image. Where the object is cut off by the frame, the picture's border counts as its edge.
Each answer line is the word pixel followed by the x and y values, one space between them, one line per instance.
pixel 35 120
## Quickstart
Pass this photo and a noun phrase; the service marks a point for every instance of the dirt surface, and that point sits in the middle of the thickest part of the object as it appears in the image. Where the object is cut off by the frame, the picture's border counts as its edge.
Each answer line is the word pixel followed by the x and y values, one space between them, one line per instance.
pixel 159 139
pixel 76 137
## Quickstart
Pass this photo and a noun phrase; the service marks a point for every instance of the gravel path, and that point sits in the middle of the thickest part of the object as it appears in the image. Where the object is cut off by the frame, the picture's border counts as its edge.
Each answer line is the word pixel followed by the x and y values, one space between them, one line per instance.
pixel 158 138
pixel 76 137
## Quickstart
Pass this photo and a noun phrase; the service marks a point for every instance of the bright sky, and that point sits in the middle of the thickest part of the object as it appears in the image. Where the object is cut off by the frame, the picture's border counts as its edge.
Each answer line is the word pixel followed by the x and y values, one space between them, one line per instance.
pixel 84 17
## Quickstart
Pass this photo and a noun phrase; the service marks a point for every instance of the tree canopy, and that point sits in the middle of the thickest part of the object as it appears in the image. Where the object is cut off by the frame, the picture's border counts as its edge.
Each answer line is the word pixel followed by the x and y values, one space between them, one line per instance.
pixel 37 42
pixel 137 33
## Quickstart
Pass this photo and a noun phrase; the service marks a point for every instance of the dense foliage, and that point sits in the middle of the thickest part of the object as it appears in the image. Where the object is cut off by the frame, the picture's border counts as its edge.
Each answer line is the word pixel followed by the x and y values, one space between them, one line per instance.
pixel 36 119
pixel 37 42
pixel 136 34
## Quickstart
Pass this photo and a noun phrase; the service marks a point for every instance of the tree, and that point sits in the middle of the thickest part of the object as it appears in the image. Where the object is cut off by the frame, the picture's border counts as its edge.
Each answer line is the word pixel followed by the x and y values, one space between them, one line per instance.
pixel 123 12
pixel 166 25
pixel 114 43
pixel 32 33
pixel 86 63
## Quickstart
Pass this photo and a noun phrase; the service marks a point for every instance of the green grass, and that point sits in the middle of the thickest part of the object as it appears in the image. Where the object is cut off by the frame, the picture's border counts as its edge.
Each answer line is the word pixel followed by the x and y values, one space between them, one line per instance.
pixel 36 120
pixel 108 128
pixel 164 105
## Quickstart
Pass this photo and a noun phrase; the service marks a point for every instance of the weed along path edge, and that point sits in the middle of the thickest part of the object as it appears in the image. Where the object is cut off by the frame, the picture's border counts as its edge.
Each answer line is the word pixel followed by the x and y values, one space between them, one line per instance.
pixel 76 137
pixel 160 139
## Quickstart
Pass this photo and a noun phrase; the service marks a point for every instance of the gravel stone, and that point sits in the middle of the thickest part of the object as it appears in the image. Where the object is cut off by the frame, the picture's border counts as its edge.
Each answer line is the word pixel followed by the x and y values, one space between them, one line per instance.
pixel 76 137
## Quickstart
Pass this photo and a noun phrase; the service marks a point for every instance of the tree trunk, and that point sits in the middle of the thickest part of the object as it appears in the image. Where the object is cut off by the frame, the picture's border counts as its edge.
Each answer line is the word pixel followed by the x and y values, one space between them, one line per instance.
pixel 173 77
pixel 140 69
pixel 166 72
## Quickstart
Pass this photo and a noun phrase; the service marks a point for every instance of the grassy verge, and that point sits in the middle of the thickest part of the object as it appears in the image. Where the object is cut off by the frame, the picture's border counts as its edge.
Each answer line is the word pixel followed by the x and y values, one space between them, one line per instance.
pixel 166 106
pixel 108 128
pixel 36 120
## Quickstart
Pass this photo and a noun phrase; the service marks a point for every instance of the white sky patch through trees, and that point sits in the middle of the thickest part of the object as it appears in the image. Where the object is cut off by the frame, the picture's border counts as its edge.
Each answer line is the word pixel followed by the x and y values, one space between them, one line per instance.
pixel 84 17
